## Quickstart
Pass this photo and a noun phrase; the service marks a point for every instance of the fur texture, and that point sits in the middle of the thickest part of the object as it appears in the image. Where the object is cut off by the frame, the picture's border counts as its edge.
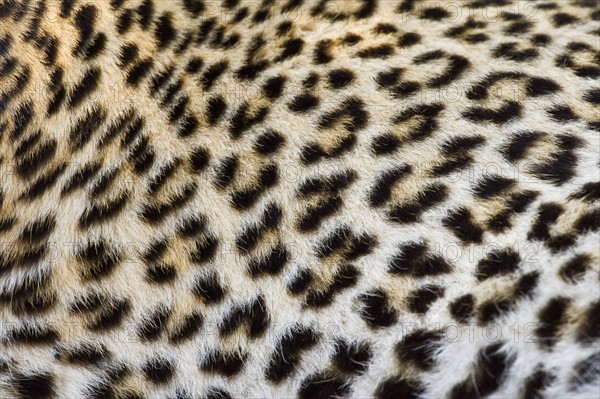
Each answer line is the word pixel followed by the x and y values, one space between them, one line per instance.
pixel 299 198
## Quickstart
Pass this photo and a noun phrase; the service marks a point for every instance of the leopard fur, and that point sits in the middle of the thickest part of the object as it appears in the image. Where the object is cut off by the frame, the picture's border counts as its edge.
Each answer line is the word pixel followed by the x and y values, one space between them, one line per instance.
pixel 299 198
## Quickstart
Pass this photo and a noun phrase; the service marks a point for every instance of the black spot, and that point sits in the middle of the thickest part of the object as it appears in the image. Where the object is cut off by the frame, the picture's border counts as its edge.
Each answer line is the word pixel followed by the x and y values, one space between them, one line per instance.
pixel 537 86
pixel 244 119
pixel 85 87
pixel 381 51
pixel 413 260
pixel 322 52
pixel 315 215
pixel 83 354
pixel 562 113
pixel 139 70
pixel 383 28
pixel 98 258
pixel 217 393
pixel 419 348
pixel 435 13
pixel 160 273
pixel 187 328
pixel 420 300
pixel 209 288
pixel 410 212
pixel 205 249
pixel 588 222
pixel 510 51
pixel 491 186
pixel 352 358
pixel 389 77
pixel 38 229
pixel 376 310
pixel 461 223
pixel 199 159
pixel 499 262
pixel 151 326
pixel 562 19
pixel 490 371
pixel 463 308
pixel 100 212
pixel 535 384
pixel 215 109
pixel 288 352
pixel 548 214
pixel 269 142
pixel 575 268
pixel 146 13
pixel 158 370
pixel 291 48
pixel 225 363
pixel 194 65
pixel 303 103
pixel 399 387
pixel 311 81
pixel 409 39
pixel 300 282
pixel 32 334
pixel 34 386
pixel 339 78
pixel 273 87
pixel 253 314
pixel 518 145
pixel 508 111
pixel 351 39
pixel 550 319
pixel 493 308
pixel 226 171
pixel 323 386
pixel 212 74
pixel 273 263
pixel 194 7
pixel 385 144
pixel 345 277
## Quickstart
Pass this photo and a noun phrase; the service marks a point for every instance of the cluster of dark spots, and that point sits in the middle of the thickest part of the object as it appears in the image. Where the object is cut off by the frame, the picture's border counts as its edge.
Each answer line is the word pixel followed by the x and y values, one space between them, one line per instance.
pixel 158 212
pixel 251 235
pixel 101 212
pixel 516 147
pixel 511 51
pixel 457 65
pixel 562 165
